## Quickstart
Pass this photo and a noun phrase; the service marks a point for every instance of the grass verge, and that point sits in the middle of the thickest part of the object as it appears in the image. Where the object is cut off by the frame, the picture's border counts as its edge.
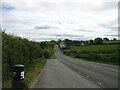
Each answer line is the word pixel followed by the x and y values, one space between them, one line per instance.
pixel 33 73
pixel 30 74
pixel 104 62
pixel 107 54
pixel 53 56
pixel 7 83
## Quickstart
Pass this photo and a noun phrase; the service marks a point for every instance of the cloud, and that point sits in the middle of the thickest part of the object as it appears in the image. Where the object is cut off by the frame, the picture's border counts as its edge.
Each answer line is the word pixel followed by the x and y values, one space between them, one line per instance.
pixel 107 6
pixel 74 19
pixel 113 25
pixel 112 36
pixel 44 27
pixel 114 28
pixel 84 30
pixel 67 35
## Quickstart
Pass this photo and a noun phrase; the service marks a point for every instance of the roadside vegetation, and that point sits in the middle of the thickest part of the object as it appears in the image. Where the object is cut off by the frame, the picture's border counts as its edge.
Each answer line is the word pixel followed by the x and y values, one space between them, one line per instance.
pixel 33 55
pixel 98 53
pixel 32 73
pixel 17 50
pixel 97 50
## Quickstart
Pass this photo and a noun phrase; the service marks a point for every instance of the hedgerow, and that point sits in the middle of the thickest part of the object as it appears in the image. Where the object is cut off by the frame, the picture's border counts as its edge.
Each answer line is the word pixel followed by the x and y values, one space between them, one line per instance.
pixel 17 50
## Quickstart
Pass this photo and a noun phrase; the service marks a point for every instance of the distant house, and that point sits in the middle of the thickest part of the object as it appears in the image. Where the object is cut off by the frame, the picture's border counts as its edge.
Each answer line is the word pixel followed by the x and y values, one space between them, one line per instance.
pixel 82 44
pixel 62 45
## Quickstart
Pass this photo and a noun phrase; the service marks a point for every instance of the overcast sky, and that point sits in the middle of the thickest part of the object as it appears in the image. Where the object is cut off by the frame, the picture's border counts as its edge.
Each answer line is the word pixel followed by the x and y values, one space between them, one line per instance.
pixel 42 20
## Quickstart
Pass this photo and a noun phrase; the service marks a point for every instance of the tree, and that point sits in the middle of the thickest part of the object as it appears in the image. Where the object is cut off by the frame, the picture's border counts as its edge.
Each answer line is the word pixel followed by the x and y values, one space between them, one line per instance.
pixel 68 42
pixel 52 44
pixel 59 41
pixel 86 42
pixel 105 39
pixel 47 53
pixel 98 40
pixel 91 42
pixel 43 45
pixel 114 39
pixel 53 41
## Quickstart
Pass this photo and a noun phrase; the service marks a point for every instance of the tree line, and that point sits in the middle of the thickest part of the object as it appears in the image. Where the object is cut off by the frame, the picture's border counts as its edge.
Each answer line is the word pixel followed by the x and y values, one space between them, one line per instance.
pixel 96 41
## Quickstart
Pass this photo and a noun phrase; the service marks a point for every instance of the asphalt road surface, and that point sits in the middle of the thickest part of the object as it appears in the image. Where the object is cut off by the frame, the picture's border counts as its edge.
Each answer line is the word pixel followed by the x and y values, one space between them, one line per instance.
pixel 67 72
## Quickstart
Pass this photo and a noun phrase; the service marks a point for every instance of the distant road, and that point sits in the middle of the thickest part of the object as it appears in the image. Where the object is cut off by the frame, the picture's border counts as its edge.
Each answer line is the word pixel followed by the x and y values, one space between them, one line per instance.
pixel 67 72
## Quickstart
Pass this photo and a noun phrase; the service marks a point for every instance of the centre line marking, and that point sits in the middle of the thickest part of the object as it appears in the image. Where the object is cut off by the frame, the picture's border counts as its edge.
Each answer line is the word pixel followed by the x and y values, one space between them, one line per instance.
pixel 99 83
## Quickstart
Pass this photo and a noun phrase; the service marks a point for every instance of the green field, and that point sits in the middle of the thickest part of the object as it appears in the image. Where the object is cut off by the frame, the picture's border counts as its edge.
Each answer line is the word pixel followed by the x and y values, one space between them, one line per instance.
pixel 97 53
pixel 96 48
pixel 111 42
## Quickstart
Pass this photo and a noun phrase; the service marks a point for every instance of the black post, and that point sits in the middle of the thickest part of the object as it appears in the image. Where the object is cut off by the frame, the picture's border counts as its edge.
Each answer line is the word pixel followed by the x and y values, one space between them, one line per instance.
pixel 18 76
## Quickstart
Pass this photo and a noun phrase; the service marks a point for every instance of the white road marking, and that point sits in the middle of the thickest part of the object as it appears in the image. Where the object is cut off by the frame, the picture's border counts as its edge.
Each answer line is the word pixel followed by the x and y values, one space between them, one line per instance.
pixel 112 69
pixel 100 66
pixel 87 76
pixel 99 82
pixel 82 63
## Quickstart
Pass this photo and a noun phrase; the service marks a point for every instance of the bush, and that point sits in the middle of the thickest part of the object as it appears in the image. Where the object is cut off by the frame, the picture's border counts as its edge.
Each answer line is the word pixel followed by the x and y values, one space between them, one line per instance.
pixel 47 53
pixel 17 50
pixel 98 41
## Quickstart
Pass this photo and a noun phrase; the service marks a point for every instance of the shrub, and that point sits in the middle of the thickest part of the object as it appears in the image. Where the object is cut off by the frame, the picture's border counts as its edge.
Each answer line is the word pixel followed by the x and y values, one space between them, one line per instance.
pixel 47 53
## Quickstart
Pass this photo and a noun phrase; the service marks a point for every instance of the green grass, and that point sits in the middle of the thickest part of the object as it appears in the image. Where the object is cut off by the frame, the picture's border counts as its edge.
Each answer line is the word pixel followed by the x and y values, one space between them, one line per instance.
pixel 30 74
pixel 96 48
pixel 97 53
pixel 33 72
pixel 111 41
pixel 53 56
pixel 7 83
pixel 104 62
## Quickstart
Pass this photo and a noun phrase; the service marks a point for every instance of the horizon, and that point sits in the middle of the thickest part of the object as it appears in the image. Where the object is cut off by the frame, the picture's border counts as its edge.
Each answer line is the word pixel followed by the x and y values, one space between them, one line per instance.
pixel 112 39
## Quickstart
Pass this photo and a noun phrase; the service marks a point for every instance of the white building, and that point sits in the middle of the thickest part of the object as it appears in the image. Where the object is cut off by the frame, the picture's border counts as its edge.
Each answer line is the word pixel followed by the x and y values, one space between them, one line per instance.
pixel 62 45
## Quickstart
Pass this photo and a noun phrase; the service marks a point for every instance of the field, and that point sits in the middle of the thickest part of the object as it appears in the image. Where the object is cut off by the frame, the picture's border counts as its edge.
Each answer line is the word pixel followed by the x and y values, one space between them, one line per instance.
pixel 98 53
pixel 111 42
pixel 96 48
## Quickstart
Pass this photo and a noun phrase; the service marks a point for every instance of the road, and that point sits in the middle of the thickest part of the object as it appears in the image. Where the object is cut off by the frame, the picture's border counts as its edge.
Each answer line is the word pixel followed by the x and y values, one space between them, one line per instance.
pixel 67 72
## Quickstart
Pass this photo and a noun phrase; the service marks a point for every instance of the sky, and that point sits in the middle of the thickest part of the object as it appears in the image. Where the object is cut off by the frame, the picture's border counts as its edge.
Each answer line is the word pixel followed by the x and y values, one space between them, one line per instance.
pixel 45 20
